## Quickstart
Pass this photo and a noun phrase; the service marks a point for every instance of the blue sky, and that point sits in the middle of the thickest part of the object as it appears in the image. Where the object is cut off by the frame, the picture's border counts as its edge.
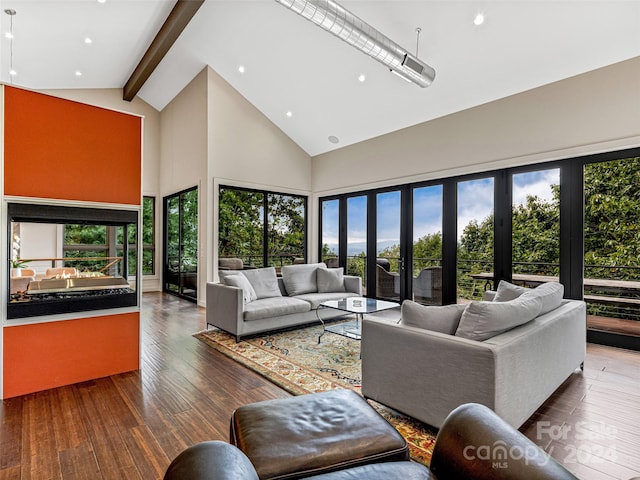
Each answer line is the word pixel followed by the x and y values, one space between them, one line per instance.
pixel 475 202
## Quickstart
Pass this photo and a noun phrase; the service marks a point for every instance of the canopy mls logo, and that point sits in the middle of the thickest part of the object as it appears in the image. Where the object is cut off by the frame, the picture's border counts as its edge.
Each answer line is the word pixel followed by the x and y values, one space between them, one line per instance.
pixel 499 454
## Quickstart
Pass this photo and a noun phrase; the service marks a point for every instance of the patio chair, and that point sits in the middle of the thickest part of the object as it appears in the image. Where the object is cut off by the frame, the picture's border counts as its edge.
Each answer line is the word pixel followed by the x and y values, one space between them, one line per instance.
pixel 427 286
pixel 387 283
pixel 230 264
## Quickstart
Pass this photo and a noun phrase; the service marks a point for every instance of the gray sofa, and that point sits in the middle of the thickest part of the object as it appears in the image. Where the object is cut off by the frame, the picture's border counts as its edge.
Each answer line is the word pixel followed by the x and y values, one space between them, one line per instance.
pixel 426 373
pixel 260 301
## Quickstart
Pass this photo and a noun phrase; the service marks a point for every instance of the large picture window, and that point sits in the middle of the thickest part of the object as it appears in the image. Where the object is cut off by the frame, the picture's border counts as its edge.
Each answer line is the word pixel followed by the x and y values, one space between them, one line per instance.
pixel 260 228
pixel 574 221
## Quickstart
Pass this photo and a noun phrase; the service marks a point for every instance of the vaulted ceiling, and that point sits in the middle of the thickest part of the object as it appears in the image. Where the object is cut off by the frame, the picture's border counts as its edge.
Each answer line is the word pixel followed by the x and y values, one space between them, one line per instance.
pixel 290 65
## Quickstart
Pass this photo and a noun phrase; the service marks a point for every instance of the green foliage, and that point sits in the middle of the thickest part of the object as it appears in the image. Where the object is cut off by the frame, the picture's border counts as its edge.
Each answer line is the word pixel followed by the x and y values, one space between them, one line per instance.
pixel 85 235
pixel 427 251
pixel 612 217
pixel 19 263
pixel 148 211
pixel 182 231
pixel 286 229
pixel 242 226
pixel 536 234
pixel 476 241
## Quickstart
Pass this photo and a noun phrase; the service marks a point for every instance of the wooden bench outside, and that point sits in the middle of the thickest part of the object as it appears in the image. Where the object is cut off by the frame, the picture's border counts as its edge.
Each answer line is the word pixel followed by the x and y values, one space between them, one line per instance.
pixel 614 301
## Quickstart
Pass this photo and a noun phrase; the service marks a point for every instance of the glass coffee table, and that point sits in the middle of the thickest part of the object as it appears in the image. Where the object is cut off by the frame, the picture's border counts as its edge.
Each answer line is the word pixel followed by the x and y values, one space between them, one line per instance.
pixel 356 305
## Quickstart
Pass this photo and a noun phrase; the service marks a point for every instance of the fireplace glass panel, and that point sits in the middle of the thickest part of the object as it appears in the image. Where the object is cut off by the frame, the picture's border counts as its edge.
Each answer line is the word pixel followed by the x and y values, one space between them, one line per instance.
pixel 70 259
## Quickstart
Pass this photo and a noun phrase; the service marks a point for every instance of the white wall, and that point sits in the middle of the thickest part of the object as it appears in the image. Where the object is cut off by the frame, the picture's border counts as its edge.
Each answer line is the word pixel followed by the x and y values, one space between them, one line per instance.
pixel 246 149
pixel 594 112
pixel 183 165
pixel 210 134
pixel 40 240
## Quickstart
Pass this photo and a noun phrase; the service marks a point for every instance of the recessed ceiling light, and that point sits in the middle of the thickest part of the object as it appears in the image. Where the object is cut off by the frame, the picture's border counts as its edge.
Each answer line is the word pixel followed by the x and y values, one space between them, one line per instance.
pixel 8 35
pixel 88 41
pixel 333 139
pixel 78 73
pixel 289 114
pixel 241 68
pixel 102 1
pixel 12 72
pixel 362 78
pixel 479 19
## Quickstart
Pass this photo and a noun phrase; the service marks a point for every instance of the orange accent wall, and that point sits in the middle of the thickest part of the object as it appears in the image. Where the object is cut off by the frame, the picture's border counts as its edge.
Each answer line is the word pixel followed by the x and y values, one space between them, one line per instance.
pixel 57 148
pixel 61 149
pixel 52 354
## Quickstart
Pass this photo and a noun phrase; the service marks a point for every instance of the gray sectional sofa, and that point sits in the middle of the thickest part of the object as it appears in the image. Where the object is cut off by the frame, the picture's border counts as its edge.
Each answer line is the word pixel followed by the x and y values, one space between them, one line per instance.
pixel 248 302
pixel 510 354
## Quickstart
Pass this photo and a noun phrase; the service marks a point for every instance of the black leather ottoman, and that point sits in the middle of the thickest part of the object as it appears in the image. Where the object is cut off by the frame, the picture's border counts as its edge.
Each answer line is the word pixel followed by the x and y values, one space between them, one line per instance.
pixel 313 434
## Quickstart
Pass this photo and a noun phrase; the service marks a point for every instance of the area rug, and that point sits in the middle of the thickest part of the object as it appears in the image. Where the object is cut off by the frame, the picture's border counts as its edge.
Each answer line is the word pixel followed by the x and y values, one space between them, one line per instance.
pixel 295 361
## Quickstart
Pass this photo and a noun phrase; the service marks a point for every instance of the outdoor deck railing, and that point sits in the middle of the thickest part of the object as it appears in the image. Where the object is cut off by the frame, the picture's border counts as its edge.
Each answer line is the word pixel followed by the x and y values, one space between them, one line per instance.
pixel 601 300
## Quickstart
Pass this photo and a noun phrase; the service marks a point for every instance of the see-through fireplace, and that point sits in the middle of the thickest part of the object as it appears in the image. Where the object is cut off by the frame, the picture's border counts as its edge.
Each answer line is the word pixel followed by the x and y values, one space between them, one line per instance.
pixel 65 259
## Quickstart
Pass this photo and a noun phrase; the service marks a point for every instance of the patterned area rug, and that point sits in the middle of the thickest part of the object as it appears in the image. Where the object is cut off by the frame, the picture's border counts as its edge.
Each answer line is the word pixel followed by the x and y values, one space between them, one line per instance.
pixel 294 361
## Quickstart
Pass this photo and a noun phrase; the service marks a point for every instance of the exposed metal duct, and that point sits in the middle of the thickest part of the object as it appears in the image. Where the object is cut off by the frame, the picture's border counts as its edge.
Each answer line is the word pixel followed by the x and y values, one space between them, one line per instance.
pixel 339 21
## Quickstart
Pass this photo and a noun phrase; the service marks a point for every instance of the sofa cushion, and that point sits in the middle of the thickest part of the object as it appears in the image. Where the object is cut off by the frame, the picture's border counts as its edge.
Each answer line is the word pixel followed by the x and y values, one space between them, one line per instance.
pixel 242 282
pixel 264 281
pixel 274 307
pixel 508 291
pixel 315 299
pixel 550 293
pixel 330 280
pixel 301 278
pixel 443 319
pixel 483 320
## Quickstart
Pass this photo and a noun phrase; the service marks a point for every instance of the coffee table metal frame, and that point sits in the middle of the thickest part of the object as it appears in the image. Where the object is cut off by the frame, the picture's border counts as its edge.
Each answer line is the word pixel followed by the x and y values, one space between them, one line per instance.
pixel 356 305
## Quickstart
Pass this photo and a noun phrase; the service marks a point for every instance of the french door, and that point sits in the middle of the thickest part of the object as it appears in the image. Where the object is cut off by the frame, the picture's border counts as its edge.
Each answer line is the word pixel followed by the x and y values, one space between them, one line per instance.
pixel 181 244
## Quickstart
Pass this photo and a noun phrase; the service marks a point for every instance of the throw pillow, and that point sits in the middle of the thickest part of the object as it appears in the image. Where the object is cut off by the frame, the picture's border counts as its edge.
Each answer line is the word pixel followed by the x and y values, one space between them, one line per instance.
pixel 550 293
pixel 299 279
pixel 242 282
pixel 330 280
pixel 223 274
pixel 264 281
pixel 483 320
pixel 442 319
pixel 508 291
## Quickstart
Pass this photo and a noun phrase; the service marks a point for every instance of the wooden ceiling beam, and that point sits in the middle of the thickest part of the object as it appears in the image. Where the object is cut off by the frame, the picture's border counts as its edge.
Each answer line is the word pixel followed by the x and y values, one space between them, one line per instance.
pixel 180 16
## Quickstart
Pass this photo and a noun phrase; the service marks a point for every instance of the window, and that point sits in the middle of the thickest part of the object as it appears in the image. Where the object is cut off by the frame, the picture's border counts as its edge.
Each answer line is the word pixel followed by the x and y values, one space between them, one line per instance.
pixel 261 228
pixel 148 235
pixel 574 221
pixel 475 234
pixel 180 275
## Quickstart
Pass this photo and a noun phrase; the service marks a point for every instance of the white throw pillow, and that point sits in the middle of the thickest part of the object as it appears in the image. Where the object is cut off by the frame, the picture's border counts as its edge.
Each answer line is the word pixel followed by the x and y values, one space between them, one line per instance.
pixel 223 274
pixel 483 320
pixel 330 280
pixel 264 281
pixel 299 279
pixel 242 282
pixel 443 319
pixel 508 291
pixel 550 293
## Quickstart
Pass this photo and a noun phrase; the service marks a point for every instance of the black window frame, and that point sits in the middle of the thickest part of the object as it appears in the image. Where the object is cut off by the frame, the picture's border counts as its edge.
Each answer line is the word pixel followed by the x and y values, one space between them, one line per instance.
pixel 265 206
pixel 571 223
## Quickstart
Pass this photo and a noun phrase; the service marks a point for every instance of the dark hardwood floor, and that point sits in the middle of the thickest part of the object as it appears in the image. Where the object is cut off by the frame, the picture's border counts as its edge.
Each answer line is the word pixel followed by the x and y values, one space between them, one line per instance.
pixel 131 425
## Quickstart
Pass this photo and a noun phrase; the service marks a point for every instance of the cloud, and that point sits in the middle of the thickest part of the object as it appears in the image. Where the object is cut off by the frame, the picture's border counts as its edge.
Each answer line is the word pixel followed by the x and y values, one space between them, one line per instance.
pixel 536 184
pixel 475 201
